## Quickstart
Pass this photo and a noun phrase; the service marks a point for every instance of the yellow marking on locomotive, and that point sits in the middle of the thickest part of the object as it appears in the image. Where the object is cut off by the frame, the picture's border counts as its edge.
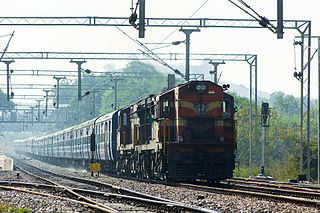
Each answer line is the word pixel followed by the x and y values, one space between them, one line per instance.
pixel 214 105
pixel 191 105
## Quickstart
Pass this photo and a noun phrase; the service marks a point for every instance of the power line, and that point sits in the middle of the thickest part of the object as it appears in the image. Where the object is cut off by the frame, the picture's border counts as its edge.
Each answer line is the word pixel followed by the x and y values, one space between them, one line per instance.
pixel 7 46
pixel 150 54
pixel 184 21
pixel 263 21
pixel 5 35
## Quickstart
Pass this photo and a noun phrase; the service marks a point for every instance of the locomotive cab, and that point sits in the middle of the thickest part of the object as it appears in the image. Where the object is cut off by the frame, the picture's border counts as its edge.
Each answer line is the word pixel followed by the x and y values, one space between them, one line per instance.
pixel 201 141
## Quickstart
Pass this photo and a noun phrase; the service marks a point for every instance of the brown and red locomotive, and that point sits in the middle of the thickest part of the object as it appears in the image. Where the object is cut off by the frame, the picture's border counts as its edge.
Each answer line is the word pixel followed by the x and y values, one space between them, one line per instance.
pixel 186 133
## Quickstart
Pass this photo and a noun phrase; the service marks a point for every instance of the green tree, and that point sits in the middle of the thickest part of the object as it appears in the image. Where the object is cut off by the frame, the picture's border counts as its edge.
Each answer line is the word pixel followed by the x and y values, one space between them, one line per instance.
pixel 98 92
pixel 133 89
pixel 4 104
pixel 285 104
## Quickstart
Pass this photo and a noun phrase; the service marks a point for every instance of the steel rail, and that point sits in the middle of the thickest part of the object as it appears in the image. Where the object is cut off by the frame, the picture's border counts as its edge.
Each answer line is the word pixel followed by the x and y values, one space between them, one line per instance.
pixel 137 196
pixel 86 200
pixel 276 184
pixel 254 193
pixel 57 197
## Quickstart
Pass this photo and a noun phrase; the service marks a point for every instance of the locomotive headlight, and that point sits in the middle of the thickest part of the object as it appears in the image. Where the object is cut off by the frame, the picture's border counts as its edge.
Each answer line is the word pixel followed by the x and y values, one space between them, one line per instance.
pixel 221 139
pixel 201 87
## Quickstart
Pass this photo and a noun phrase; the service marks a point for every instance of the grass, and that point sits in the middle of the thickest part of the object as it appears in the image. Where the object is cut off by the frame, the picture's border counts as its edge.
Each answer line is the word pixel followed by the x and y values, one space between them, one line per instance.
pixel 7 208
pixel 280 172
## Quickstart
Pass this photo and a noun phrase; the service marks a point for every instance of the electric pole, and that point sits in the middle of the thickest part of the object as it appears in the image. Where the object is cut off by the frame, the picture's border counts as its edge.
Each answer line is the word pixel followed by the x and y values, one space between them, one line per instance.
pixel 38 101
pixel 188 32
pixel 79 64
pixel 46 97
pixel 214 72
pixel 8 77
pixel 58 89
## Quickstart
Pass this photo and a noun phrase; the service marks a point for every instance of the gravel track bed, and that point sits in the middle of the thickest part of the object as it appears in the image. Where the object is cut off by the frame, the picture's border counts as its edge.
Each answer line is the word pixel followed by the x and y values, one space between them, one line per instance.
pixel 213 201
pixel 37 203
pixel 125 206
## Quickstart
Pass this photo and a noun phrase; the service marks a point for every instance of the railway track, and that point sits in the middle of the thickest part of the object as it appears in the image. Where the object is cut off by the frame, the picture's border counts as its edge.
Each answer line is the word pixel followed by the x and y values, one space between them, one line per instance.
pixel 277 184
pixel 250 187
pixel 118 199
pixel 273 192
pixel 91 205
pixel 214 200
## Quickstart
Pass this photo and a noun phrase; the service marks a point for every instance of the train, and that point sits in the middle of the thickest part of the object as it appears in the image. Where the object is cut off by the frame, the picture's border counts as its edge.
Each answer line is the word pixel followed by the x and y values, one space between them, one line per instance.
pixel 186 133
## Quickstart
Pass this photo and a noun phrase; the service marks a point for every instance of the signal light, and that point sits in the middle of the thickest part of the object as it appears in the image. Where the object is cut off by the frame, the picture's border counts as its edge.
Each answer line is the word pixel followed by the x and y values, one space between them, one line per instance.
pixel 265 109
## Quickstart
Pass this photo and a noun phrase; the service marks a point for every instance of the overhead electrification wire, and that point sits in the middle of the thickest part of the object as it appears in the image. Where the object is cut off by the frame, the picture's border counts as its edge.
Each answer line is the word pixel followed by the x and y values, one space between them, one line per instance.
pixel 7 46
pixel 220 76
pixel 149 53
pixel 168 45
pixel 184 21
pixel 263 21
pixel 5 35
pixel 308 62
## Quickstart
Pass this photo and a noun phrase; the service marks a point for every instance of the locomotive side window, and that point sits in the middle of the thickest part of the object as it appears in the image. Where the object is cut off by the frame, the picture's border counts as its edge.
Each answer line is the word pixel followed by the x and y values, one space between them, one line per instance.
pixel 226 108
pixel 124 119
pixel 152 109
pixel 165 108
pixel 136 134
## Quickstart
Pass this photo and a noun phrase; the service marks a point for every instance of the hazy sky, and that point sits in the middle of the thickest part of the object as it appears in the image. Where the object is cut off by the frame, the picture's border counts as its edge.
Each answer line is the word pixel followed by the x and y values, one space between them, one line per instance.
pixel 275 57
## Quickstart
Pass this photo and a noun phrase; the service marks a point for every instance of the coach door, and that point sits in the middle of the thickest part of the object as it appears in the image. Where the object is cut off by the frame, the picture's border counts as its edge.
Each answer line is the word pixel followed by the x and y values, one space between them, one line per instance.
pixel 125 127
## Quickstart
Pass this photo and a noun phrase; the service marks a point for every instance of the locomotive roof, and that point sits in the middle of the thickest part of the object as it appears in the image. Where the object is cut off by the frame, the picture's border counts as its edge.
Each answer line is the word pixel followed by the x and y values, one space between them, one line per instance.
pixel 188 83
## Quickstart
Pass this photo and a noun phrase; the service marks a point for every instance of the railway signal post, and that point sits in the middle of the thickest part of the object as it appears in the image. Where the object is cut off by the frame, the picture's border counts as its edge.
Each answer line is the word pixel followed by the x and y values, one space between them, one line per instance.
pixel 265 117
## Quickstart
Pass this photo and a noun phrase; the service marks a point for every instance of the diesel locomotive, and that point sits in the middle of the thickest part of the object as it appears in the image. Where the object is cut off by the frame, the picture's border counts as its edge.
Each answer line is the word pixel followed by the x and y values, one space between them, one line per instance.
pixel 187 133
